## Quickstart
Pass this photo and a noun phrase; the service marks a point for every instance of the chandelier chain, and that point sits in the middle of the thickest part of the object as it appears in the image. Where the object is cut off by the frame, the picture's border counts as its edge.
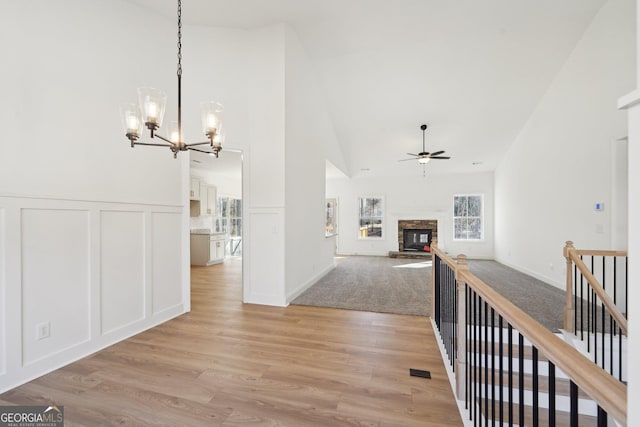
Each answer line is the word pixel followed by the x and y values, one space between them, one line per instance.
pixel 179 38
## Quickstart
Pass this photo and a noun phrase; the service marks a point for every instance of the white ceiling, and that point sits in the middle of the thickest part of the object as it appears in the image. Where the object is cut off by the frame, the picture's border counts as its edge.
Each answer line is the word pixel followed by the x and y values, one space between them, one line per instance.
pixel 473 70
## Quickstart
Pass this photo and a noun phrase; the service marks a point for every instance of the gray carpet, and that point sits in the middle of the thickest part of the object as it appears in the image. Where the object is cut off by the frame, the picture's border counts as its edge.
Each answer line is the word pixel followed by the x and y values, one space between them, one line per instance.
pixel 377 284
pixel 543 302
pixel 389 285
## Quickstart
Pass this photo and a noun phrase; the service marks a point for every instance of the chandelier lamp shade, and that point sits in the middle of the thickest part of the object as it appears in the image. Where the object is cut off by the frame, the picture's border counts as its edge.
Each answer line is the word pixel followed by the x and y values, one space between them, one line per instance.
pixel 149 113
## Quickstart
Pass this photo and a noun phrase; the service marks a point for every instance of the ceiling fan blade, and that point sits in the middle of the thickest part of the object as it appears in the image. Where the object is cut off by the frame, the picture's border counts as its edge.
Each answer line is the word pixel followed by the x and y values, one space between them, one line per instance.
pixel 441 158
pixel 411 154
pixel 437 153
pixel 406 160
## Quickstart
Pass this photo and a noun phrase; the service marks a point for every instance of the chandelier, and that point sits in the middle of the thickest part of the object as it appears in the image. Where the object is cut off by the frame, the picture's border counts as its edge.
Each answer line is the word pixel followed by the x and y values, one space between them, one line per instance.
pixel 149 113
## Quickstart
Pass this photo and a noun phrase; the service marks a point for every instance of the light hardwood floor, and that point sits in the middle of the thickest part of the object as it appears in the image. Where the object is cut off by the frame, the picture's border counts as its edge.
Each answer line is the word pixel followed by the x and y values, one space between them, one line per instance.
pixel 231 364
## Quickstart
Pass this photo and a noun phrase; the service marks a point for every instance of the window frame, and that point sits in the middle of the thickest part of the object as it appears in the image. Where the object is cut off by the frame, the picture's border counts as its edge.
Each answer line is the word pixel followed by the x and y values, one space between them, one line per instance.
pixel 481 218
pixel 331 208
pixel 381 217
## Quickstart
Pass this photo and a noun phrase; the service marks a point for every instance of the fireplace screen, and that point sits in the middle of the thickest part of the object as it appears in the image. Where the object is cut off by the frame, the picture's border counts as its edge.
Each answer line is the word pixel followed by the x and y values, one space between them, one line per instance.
pixel 416 240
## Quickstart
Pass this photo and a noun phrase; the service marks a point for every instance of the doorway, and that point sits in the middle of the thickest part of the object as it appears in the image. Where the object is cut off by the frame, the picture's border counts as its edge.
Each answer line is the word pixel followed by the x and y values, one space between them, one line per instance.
pixel 216 208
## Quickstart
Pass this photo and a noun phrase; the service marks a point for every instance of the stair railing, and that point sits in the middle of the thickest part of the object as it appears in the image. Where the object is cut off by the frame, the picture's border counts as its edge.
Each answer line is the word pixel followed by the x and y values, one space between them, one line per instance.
pixel 596 304
pixel 490 333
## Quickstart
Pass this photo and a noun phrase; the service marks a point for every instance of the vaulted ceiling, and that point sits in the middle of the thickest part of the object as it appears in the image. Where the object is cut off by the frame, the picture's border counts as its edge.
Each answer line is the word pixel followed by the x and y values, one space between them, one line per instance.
pixel 473 70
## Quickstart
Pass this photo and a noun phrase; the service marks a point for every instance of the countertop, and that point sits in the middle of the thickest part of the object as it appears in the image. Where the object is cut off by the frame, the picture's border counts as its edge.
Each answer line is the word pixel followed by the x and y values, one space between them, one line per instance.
pixel 206 231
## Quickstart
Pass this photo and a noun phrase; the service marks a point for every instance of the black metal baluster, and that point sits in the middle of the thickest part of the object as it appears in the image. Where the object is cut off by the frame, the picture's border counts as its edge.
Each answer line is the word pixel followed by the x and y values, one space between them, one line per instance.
pixel 603 329
pixel 589 290
pixel 552 395
pixel 493 368
pixel 436 291
pixel 455 318
pixel 581 305
pixel 510 369
pixel 615 284
pixel 626 287
pixel 475 359
pixel 573 405
pixel 602 417
pixel 534 364
pixel 521 378
pixel 619 354
pixel 486 363
pixel 575 300
pixel 467 368
pixel 501 368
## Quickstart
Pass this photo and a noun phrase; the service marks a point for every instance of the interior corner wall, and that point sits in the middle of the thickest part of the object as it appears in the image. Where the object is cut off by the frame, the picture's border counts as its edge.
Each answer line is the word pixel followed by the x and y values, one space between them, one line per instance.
pixel 559 166
pixel 414 197
pixel 633 342
pixel 264 172
pixel 93 233
pixel 309 135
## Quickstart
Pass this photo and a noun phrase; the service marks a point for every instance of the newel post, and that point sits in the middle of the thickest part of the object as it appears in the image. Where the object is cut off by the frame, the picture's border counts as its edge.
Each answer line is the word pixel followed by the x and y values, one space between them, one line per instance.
pixel 435 270
pixel 569 311
pixel 461 355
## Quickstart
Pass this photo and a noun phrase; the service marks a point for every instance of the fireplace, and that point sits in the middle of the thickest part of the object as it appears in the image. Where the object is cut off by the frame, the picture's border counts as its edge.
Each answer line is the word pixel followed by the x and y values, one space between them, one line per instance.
pixel 413 236
pixel 416 239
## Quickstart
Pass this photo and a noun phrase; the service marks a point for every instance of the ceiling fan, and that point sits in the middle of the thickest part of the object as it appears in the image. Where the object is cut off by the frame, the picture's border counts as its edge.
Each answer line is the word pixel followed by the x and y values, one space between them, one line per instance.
pixel 424 156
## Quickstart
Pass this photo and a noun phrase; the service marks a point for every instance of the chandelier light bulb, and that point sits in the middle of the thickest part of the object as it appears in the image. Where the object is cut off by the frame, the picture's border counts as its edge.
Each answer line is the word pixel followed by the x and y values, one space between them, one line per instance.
pixel 211 118
pixel 152 102
pixel 174 132
pixel 131 121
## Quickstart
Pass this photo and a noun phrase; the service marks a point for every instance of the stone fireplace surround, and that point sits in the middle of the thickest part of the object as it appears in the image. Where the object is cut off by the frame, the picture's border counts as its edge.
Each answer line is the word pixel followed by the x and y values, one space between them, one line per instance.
pixel 424 224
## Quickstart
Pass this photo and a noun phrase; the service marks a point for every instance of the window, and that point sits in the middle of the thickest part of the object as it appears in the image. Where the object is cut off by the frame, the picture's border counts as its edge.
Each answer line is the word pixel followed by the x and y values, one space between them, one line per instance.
pixel 467 217
pixel 229 220
pixel 371 214
pixel 331 214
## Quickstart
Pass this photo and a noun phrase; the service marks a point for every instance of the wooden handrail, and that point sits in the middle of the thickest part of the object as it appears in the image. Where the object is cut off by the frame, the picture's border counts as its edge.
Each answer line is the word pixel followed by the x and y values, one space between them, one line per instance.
pixel 609 393
pixel 574 255
pixel 595 252
pixel 603 388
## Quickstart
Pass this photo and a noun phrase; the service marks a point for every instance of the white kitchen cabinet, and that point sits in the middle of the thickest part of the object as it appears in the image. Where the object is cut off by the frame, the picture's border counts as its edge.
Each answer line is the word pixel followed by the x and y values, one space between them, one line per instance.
pixel 207 249
pixel 194 192
pixel 208 199
pixel 216 248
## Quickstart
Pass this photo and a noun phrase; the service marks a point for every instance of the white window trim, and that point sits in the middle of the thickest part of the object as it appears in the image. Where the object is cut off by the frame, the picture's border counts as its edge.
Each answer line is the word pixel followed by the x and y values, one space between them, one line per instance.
pixel 384 219
pixel 453 219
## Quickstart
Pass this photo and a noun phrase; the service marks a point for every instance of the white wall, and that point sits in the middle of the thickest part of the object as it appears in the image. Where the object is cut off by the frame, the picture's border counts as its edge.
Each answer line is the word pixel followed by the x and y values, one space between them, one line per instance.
pixel 418 197
pixel 560 164
pixel 309 138
pixel 92 232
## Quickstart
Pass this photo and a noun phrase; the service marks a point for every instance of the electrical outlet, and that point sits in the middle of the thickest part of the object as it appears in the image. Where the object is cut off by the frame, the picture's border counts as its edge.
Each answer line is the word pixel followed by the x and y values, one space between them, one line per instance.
pixel 43 330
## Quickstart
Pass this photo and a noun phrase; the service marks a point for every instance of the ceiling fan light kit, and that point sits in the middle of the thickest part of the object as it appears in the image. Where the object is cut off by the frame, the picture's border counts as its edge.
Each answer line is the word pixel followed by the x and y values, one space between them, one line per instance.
pixel 424 156
pixel 150 109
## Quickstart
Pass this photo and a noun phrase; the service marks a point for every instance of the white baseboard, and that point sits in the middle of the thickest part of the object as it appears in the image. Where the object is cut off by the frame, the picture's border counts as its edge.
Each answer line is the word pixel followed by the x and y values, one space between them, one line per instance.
pixel 538 276
pixel 306 285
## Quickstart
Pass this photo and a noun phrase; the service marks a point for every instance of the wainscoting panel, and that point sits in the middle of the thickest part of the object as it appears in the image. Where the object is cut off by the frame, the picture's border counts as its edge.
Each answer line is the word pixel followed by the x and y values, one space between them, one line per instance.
pixel 122 266
pixel 55 281
pixel 78 275
pixel 266 276
pixel 3 294
pixel 167 259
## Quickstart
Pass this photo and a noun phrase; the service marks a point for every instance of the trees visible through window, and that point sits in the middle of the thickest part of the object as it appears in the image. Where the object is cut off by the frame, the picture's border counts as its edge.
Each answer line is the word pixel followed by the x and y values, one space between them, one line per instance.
pixel 229 220
pixel 331 224
pixel 371 216
pixel 467 217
